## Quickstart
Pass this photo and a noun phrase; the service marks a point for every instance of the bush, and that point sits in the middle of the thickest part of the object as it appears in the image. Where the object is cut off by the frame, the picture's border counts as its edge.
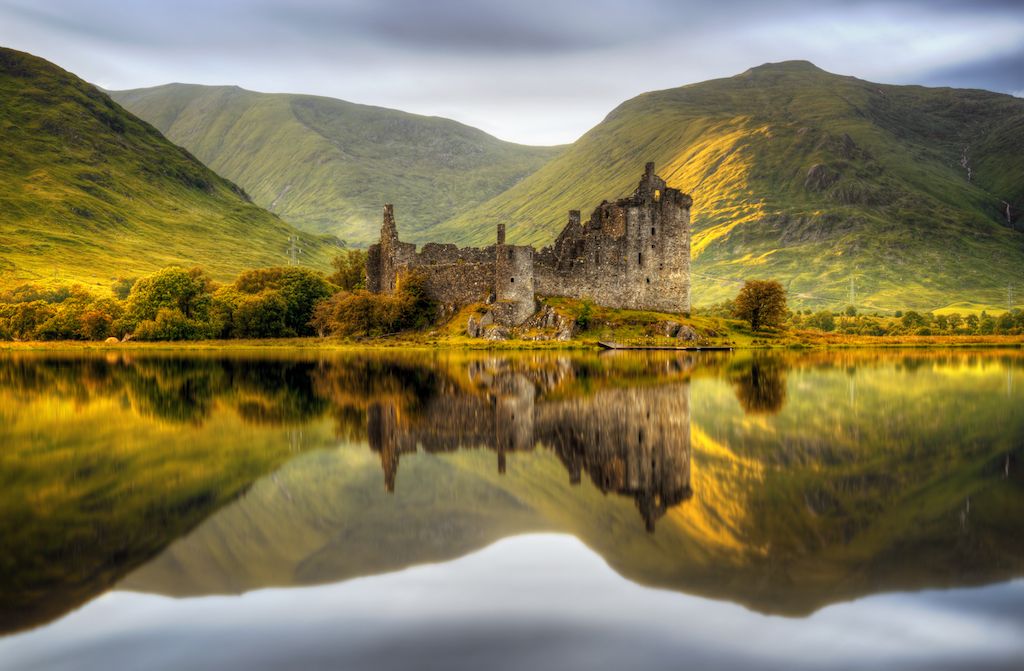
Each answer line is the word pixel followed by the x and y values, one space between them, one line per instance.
pixel 361 313
pixel 299 288
pixel 822 320
pixel 189 292
pixel 349 270
pixel 171 324
pixel 263 315
pixel 585 316
pixel 21 321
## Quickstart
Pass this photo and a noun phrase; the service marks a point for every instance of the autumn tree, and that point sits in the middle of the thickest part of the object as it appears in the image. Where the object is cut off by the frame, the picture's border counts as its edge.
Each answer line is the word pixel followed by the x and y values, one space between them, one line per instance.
pixel 762 303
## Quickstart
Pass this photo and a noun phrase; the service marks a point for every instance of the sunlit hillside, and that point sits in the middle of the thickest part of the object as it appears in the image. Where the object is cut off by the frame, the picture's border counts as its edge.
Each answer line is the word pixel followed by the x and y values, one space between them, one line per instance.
pixel 328 165
pixel 895 194
pixel 89 193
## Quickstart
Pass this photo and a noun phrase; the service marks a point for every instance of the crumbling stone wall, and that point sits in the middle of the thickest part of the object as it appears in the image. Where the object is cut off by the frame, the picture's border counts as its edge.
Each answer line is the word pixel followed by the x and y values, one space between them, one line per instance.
pixel 633 253
pixel 514 286
pixel 633 441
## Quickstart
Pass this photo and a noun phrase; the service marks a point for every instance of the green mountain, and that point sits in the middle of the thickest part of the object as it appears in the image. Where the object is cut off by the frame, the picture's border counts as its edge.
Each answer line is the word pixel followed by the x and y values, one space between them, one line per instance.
pixel 89 192
pixel 816 179
pixel 328 165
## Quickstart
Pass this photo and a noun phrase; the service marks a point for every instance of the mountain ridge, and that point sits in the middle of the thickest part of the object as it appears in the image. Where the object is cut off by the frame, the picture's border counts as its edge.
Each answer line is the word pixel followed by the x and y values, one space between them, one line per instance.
pixel 91 193
pixel 816 179
pixel 327 165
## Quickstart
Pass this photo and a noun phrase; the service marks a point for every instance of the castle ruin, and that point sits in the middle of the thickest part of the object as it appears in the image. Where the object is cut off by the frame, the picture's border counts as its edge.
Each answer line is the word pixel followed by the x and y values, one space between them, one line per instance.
pixel 633 253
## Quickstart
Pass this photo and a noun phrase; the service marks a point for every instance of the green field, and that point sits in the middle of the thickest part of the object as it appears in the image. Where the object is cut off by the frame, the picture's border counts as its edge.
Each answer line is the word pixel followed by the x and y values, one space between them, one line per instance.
pixel 328 165
pixel 89 193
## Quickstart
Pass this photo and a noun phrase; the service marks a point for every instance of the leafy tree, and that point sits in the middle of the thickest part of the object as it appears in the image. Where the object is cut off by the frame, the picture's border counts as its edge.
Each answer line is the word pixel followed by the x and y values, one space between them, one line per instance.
pixel 349 270
pixel 913 320
pixel 300 289
pixel 361 313
pixel 171 324
pixel 21 321
pixel 987 324
pixel 822 320
pixel 189 292
pixel 122 287
pixel 262 315
pixel 762 303
pixel 850 311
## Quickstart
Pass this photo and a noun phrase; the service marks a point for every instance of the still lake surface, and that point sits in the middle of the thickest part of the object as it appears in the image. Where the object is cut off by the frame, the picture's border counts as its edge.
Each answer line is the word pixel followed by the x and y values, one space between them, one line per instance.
pixel 852 510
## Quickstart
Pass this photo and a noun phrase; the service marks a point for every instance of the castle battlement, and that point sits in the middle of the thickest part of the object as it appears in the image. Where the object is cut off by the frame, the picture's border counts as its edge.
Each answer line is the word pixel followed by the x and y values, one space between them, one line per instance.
pixel 633 253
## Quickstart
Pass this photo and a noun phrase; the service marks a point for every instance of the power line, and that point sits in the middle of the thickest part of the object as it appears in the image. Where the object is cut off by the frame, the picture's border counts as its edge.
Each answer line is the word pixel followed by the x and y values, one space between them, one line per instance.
pixel 293 250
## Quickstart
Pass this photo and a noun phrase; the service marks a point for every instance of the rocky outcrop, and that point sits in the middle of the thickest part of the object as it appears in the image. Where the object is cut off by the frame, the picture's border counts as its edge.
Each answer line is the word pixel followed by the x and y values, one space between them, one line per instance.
pixel 820 177
pixel 545 324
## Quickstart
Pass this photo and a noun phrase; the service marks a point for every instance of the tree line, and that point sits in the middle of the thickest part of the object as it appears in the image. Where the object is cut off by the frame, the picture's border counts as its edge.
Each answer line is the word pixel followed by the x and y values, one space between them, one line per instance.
pixel 186 304
pixel 762 303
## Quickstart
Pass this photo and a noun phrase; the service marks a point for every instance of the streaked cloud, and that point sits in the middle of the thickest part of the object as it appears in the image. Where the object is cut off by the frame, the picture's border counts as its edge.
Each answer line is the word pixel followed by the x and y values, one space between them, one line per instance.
pixel 530 71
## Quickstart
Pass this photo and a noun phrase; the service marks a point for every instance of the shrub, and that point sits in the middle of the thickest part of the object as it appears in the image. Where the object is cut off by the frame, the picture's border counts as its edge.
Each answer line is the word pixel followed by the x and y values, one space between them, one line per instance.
pixel 171 324
pixel 300 289
pixel 21 321
pixel 187 291
pixel 361 313
pixel 822 320
pixel 263 315
pixel 349 270
pixel 585 316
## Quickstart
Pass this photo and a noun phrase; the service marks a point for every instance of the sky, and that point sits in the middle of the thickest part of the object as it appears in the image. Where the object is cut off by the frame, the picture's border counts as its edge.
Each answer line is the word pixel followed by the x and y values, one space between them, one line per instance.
pixel 529 71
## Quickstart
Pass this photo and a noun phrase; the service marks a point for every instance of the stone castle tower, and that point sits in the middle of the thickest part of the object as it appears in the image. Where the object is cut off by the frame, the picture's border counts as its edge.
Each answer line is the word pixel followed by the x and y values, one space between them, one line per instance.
pixel 633 253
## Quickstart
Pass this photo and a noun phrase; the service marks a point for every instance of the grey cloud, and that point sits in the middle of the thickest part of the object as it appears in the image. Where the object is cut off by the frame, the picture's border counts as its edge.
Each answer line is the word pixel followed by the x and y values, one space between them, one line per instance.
pixel 1004 72
pixel 539 71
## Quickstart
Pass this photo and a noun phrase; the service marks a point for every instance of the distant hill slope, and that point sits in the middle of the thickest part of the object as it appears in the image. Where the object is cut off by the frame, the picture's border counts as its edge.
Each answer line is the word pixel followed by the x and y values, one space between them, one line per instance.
pixel 89 193
pixel 328 165
pixel 809 177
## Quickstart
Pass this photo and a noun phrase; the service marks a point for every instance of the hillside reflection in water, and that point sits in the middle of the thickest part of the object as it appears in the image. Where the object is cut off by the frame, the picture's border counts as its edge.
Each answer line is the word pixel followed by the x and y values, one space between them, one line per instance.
pixel 781 482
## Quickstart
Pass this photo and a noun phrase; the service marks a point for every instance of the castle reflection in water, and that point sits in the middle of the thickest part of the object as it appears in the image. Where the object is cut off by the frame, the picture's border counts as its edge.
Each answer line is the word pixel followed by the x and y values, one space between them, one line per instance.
pixel 633 441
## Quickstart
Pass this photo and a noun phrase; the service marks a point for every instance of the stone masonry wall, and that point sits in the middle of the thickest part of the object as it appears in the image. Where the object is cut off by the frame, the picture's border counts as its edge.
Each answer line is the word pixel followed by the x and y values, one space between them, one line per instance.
pixel 633 253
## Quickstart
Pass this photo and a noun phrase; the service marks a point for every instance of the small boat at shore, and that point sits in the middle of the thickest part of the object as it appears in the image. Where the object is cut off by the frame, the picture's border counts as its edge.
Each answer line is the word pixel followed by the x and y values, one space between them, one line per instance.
pixel 684 348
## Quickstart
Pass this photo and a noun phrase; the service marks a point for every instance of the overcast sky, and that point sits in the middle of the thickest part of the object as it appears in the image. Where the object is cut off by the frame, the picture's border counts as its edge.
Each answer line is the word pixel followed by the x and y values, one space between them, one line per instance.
pixel 532 71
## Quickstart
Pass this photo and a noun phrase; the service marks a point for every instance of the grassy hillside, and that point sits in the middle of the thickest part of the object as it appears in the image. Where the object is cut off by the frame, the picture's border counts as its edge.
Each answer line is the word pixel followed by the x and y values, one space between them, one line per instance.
pixel 809 177
pixel 328 165
pixel 90 193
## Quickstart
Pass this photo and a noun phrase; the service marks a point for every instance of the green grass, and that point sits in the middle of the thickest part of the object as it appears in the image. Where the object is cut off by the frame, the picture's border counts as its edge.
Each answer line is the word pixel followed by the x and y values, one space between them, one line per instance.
pixel 90 193
pixel 901 219
pixel 328 165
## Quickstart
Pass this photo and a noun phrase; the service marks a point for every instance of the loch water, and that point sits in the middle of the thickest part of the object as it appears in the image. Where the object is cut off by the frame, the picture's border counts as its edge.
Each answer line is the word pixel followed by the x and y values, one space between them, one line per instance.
pixel 854 509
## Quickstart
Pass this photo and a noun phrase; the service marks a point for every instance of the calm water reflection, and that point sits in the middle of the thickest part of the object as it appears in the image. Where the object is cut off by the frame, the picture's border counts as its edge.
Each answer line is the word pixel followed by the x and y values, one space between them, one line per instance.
pixel 513 511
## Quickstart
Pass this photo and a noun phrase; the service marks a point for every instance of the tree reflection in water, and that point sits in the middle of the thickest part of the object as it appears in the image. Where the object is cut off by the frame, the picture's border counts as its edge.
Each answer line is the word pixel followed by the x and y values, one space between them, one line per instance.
pixel 108 459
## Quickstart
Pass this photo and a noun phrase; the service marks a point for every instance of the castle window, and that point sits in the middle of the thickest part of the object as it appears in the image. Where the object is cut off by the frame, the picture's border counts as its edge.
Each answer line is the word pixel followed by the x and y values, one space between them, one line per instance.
pixel 513 280
pixel 657 195
pixel 639 259
pixel 652 230
pixel 648 280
